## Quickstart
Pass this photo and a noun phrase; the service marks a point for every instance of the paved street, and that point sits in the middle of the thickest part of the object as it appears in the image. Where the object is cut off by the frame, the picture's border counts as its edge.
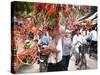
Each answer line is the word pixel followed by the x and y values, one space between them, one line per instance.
pixel 91 64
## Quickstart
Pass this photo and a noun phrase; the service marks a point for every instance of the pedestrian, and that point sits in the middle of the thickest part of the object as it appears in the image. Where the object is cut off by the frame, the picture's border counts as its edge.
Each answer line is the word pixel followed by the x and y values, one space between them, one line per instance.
pixel 93 38
pixel 78 40
pixel 67 44
pixel 85 33
pixel 55 57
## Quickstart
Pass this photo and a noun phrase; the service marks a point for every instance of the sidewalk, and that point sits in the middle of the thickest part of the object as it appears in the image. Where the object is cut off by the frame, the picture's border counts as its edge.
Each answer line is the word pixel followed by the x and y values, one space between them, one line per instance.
pixel 91 63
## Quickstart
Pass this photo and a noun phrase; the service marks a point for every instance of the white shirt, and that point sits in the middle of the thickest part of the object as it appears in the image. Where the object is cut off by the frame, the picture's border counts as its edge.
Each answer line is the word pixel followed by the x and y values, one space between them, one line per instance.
pixel 52 57
pixel 93 35
pixel 78 40
pixel 85 33
pixel 59 47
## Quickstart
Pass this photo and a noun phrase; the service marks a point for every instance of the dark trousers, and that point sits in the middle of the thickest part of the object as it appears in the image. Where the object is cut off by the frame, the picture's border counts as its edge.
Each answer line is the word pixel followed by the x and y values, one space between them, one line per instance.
pixel 65 62
pixel 55 67
pixel 93 48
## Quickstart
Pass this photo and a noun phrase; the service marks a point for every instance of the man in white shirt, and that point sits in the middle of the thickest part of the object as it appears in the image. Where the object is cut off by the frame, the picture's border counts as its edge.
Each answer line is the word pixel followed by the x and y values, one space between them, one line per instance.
pixel 78 40
pixel 85 33
pixel 93 37
pixel 93 34
pixel 55 57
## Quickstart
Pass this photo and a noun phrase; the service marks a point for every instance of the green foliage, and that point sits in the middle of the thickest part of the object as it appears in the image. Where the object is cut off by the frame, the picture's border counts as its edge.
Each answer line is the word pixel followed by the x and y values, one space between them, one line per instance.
pixel 28 59
pixel 22 8
pixel 52 22
pixel 38 18
pixel 27 45
pixel 62 21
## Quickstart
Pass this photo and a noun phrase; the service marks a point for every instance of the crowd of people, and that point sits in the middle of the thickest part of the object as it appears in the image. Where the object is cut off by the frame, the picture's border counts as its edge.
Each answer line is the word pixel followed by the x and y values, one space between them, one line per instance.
pixel 56 42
